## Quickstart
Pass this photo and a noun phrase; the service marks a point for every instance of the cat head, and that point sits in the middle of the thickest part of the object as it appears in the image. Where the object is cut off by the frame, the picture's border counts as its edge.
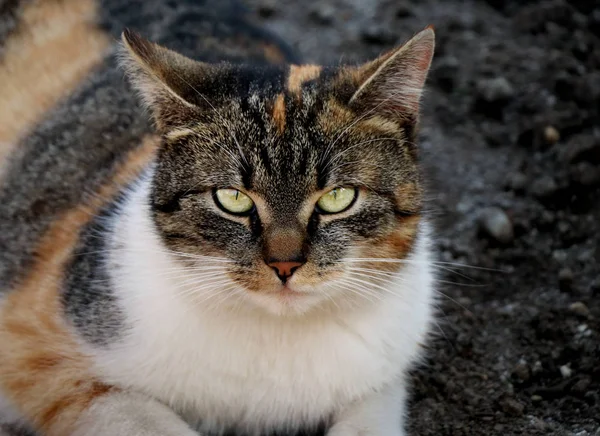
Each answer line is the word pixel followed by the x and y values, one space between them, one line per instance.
pixel 291 183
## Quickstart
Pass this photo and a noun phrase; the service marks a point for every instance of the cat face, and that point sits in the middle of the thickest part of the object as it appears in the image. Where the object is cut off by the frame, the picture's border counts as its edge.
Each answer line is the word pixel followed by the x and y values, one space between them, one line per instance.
pixel 294 182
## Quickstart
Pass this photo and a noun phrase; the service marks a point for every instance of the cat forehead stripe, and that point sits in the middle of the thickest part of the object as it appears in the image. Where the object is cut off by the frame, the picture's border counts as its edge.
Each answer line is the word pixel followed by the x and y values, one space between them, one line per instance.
pixel 279 113
pixel 300 74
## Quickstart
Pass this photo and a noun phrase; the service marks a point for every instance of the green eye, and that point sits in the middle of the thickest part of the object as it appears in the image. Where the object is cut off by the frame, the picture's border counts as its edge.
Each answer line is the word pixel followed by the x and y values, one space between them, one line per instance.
pixel 337 200
pixel 234 201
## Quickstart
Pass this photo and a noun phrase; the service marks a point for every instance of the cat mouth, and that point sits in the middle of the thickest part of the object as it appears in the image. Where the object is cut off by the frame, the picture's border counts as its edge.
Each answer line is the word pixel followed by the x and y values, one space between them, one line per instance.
pixel 287 292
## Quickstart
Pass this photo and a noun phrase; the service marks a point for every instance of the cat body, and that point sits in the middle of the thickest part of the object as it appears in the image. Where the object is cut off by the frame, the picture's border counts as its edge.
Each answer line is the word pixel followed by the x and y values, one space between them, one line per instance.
pixel 202 276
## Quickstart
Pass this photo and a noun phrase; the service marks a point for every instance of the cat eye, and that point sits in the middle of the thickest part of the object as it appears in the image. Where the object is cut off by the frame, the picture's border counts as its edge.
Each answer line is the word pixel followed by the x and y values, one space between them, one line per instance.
pixel 337 200
pixel 233 201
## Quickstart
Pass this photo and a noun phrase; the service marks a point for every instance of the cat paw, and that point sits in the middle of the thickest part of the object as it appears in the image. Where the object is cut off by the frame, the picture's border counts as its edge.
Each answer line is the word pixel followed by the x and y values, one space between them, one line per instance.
pixel 346 429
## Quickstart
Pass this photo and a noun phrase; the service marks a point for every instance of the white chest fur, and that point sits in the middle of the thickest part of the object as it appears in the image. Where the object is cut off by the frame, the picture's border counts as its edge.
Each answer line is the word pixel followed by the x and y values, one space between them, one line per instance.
pixel 250 368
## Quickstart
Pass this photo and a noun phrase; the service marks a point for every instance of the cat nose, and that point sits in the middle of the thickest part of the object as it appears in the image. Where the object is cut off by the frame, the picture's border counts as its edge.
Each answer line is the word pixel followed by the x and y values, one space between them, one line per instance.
pixel 285 269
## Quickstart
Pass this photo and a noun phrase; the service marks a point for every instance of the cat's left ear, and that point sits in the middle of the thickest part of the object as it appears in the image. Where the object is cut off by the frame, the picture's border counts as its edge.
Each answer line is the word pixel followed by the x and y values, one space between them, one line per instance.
pixel 166 80
pixel 392 85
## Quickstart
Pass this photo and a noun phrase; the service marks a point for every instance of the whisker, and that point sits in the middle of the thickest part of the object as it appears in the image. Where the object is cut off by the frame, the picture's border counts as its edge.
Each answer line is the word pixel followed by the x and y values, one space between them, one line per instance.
pixel 438 265
pixel 358 285
pixel 347 286
pixel 408 261
pixel 204 282
pixel 369 284
pixel 455 302
pixel 170 252
pixel 465 285
pixel 190 272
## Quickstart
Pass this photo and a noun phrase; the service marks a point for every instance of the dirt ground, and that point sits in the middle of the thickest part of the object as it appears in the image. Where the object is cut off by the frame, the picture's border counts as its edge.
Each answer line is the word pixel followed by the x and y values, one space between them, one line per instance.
pixel 511 145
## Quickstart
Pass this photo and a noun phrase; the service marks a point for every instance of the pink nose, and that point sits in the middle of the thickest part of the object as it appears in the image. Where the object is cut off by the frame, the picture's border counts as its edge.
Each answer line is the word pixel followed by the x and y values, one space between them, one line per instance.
pixel 285 270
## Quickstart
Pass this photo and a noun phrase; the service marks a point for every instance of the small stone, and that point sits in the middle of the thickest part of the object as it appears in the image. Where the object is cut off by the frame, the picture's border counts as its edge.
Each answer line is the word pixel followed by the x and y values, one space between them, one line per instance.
pixel 521 371
pixel 586 174
pixel 496 89
pixel 510 389
pixel 561 257
pixel 323 13
pixel 492 97
pixel 586 255
pixel 440 379
pixel 518 182
pixel 566 371
pixel 507 309
pixel 471 397
pixel 581 386
pixel 563 227
pixel 582 328
pixel 536 398
pixel 537 368
pixel 464 340
pixel 537 423
pixel 463 206
pixel 495 223
pixel 546 219
pixel 551 135
pixel 583 148
pixel 512 407
pixel 565 279
pixel 544 187
pixel 495 134
pixel 579 309
pixel 587 89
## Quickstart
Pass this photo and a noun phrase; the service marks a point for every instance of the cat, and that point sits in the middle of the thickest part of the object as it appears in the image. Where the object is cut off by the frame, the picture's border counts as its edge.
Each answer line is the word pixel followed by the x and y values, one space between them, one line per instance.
pixel 256 263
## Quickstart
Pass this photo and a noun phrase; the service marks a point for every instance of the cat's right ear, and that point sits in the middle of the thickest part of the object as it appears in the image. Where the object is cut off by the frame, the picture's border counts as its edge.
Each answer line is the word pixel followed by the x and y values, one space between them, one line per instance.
pixel 164 79
pixel 392 84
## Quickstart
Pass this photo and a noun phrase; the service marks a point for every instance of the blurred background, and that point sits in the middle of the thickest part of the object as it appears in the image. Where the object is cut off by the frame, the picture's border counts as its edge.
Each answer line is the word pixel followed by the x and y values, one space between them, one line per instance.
pixel 511 144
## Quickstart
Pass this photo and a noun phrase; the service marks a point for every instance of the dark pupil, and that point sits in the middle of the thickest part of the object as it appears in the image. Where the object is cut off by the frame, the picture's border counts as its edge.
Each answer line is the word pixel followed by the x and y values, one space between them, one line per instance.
pixel 237 194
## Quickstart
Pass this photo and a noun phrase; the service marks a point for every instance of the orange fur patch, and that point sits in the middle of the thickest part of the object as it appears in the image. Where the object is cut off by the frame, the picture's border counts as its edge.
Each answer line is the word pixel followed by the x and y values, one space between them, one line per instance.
pixel 42 368
pixel 55 47
pixel 300 74
pixel 279 113
pixel 273 54
pixel 335 117
pixel 409 197
pixel 394 246
pixel 377 124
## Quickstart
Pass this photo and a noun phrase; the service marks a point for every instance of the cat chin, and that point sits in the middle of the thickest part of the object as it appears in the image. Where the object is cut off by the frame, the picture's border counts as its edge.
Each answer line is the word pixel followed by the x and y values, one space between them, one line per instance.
pixel 285 303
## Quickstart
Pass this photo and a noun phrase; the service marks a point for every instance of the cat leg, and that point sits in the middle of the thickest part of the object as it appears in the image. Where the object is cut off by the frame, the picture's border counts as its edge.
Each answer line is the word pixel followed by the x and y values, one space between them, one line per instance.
pixel 129 414
pixel 378 414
